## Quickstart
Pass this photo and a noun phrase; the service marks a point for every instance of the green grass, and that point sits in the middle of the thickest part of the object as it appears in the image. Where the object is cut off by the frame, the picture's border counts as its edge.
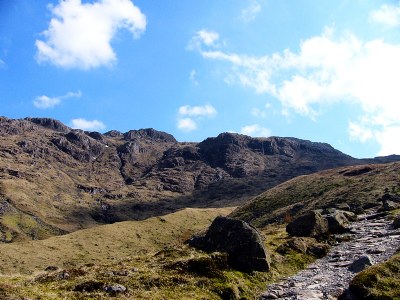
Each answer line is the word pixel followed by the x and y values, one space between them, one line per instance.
pixel 381 281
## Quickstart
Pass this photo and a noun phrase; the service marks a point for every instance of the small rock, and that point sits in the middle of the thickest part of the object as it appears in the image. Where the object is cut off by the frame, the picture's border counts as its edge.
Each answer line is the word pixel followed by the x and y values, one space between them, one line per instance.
pixel 51 268
pixel 64 275
pixel 342 206
pixel 396 222
pixel 115 289
pixel 377 250
pixel 361 263
pixel 270 295
pixel 389 205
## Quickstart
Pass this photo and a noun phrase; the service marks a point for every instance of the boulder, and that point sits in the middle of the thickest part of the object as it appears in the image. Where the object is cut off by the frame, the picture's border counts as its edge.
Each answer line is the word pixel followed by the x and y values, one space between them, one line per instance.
pixel 242 242
pixel 350 216
pixel 391 197
pixel 342 206
pixel 115 289
pixel 389 205
pixel 304 245
pixel 396 222
pixel 361 263
pixel 310 224
pixel 337 222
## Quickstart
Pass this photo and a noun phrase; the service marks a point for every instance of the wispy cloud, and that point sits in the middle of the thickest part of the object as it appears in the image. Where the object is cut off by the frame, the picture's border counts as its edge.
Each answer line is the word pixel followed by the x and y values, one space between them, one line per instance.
pixel 261 113
pixel 197 111
pixel 255 130
pixel 44 101
pixel 203 37
pixel 189 116
pixel 2 64
pixel 388 15
pixel 249 13
pixel 328 68
pixel 87 125
pixel 79 34
pixel 193 77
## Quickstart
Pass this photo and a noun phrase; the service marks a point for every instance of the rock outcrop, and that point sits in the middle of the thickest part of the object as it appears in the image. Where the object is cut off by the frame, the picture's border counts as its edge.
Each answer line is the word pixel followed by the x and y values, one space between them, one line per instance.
pixel 242 242
pixel 311 224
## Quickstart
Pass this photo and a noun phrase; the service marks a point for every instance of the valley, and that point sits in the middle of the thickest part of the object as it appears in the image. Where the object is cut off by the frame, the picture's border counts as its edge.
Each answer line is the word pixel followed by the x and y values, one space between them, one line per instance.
pixel 85 215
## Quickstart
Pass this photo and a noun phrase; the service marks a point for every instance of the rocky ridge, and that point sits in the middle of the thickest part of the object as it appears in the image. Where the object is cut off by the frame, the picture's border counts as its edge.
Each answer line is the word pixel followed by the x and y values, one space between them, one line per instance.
pixel 56 179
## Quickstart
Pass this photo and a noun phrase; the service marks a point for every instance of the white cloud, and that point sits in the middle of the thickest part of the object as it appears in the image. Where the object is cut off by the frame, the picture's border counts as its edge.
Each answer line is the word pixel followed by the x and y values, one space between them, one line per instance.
pixel 255 130
pixel 359 132
pixel 192 77
pixel 49 102
pixel 189 116
pixel 203 37
pixel 187 124
pixel 249 13
pixel 79 34
pixel 198 111
pixel 329 69
pixel 87 125
pixel 388 15
pixel 2 64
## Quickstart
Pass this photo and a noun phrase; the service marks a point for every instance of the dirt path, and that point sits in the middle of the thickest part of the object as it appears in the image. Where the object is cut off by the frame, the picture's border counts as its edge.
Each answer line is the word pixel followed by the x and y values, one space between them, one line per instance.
pixel 328 277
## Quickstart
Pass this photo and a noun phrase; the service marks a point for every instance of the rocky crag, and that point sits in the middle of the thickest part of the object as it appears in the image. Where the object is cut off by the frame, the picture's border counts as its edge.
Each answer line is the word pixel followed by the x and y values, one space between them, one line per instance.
pixel 54 179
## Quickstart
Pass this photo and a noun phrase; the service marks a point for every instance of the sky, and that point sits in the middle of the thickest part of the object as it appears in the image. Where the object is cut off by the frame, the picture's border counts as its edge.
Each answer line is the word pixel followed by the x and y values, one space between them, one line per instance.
pixel 325 71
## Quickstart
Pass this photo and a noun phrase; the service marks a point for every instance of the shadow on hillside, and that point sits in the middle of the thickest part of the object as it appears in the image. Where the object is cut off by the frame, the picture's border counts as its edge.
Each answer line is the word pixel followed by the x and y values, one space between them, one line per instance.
pixel 228 193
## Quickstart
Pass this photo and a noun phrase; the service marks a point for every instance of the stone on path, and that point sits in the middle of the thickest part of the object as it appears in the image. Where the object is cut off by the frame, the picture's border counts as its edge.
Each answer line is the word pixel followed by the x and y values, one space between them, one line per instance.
pixel 361 263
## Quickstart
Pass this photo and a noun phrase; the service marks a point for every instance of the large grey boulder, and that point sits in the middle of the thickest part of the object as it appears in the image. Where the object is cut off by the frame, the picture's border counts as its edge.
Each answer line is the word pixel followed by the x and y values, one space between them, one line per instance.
pixel 242 242
pixel 310 224
pixel 337 222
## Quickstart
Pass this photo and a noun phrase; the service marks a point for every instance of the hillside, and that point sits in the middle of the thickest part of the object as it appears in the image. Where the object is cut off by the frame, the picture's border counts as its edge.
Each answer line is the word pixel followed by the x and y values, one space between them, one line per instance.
pixel 55 180
pixel 357 186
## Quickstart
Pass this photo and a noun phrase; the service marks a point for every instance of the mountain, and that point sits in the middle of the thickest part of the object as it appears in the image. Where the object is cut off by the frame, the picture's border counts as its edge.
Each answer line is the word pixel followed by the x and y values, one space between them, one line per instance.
pixel 54 179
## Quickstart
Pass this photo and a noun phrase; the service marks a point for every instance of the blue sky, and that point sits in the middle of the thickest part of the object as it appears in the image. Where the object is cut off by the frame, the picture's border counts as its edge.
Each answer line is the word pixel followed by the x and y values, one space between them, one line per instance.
pixel 326 71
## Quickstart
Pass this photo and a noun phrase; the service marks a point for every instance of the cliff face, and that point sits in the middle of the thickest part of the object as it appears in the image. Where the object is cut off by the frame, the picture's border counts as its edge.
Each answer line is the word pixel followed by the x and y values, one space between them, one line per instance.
pixel 55 179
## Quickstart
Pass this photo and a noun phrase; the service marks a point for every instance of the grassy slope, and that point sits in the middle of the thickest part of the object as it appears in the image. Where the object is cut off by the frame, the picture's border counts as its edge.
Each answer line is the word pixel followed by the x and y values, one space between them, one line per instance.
pixel 320 190
pixel 106 242
pixel 381 281
pixel 151 254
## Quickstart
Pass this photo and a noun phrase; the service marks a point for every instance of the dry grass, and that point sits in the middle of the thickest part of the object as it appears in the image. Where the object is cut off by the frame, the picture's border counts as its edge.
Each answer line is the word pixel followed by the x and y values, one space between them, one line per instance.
pixel 106 242
pixel 148 257
pixel 320 190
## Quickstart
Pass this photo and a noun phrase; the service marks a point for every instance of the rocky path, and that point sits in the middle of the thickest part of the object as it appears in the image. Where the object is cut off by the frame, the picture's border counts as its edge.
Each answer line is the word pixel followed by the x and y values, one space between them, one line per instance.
pixel 326 278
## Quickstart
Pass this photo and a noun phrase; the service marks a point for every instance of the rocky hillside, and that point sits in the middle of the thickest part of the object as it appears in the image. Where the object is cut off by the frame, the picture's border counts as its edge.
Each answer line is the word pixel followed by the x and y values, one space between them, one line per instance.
pixel 54 179
pixel 351 188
